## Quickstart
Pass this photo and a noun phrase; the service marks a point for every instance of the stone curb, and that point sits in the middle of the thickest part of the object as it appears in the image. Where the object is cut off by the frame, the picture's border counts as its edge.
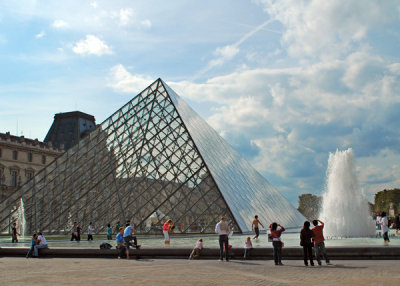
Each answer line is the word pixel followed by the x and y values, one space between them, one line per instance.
pixel 288 253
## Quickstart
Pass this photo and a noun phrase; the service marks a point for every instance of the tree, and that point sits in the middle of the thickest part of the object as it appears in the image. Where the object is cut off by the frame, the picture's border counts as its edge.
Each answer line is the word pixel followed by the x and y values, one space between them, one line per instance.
pixel 310 205
pixel 384 198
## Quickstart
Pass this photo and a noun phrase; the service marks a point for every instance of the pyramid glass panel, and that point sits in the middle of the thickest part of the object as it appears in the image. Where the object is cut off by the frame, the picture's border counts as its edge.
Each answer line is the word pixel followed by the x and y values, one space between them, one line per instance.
pixel 153 159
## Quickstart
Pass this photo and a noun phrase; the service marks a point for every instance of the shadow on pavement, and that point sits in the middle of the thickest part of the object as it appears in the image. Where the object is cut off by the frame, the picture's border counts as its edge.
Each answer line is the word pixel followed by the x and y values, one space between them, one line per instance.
pixel 341 266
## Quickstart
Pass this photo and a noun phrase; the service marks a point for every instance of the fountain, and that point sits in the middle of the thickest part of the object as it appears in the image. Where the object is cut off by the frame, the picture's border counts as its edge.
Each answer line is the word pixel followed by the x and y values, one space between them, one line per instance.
pixel 21 222
pixel 345 210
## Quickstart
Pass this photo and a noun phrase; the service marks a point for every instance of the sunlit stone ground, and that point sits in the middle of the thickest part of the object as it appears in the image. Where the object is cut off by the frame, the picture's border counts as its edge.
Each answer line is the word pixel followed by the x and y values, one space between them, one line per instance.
pixel 58 271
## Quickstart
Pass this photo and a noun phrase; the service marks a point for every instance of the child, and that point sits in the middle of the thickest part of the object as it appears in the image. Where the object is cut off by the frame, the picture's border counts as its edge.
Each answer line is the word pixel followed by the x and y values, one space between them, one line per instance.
pixel 197 249
pixel 33 243
pixel 109 237
pixel 248 246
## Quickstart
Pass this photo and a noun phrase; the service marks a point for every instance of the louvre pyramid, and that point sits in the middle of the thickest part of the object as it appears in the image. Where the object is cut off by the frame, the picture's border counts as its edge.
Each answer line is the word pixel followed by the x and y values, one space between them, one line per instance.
pixel 153 159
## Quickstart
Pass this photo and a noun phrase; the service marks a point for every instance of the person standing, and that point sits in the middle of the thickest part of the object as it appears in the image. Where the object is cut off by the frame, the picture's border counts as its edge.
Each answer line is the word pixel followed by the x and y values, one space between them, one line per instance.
pixel 385 228
pixel 74 231
pixel 117 227
pixel 319 245
pixel 109 237
pixel 167 228
pixel 306 235
pixel 378 223
pixel 90 231
pixel 397 223
pixel 275 234
pixel 222 229
pixel 78 231
pixel 254 225
pixel 40 243
pixel 14 233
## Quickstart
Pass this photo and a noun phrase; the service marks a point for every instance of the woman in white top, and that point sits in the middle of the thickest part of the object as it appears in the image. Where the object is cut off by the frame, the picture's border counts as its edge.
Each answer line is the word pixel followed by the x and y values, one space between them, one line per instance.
pixel 385 228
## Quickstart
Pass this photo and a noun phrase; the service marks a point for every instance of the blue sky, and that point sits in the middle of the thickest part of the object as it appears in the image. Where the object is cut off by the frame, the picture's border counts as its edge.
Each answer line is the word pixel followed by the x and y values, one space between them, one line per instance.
pixel 284 82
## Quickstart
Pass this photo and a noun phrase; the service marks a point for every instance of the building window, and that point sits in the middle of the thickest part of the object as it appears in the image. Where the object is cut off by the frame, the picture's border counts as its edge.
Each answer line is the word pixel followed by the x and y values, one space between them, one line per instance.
pixel 14 178
pixel 43 159
pixel 30 157
pixel 2 177
pixel 0 152
pixel 15 155
pixel 29 176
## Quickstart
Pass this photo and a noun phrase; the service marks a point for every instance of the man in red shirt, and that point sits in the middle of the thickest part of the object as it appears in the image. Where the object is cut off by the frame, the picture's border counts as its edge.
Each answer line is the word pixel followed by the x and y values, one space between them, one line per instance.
pixel 319 244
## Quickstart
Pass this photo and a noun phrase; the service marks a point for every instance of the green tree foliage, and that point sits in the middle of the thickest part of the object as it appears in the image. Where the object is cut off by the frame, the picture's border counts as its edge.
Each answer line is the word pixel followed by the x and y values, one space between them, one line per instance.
pixel 310 205
pixel 384 198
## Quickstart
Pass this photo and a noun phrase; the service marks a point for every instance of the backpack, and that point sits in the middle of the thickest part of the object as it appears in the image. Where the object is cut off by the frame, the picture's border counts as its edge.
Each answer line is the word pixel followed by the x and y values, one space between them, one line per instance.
pixel 105 245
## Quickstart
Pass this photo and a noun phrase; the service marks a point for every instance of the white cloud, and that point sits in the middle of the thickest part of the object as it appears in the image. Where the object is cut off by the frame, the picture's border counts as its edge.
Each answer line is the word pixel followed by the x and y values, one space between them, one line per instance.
pixel 59 24
pixel 328 29
pixel 224 54
pixel 146 23
pixel 40 35
pixel 93 4
pixel 123 81
pixel 229 52
pixel 243 113
pixel 125 16
pixel 379 172
pixel 91 46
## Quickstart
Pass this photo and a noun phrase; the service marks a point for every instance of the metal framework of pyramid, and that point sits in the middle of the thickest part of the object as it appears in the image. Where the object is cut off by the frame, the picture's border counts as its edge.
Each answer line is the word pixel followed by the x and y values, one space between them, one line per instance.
pixel 153 159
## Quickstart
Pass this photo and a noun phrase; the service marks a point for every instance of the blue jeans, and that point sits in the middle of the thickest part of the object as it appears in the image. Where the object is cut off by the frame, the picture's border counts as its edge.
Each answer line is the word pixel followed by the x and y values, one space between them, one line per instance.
pixel 223 240
pixel 36 249
pixel 320 251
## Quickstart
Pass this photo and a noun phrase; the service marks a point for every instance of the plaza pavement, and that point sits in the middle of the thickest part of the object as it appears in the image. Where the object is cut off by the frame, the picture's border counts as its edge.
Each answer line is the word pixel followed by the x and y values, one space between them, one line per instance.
pixel 80 271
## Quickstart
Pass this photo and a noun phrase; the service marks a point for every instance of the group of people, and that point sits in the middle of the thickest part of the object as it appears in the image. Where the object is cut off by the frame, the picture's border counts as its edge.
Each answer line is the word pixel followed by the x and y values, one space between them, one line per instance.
pixel 76 231
pixel 124 240
pixel 309 238
pixel 38 241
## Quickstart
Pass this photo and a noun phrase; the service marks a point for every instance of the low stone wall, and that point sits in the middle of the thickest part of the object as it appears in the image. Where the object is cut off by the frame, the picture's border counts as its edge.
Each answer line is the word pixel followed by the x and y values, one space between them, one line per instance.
pixel 288 253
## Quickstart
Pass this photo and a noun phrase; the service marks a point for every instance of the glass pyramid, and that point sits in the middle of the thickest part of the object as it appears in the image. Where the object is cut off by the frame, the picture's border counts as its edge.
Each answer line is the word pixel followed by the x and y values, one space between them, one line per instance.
pixel 153 159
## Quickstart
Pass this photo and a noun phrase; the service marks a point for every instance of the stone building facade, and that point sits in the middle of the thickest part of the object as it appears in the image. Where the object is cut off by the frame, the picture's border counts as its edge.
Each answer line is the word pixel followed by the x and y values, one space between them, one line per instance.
pixel 20 159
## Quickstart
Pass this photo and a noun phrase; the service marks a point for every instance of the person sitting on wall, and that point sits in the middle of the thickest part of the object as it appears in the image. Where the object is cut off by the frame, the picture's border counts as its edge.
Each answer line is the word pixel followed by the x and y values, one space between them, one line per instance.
pixel 41 243
pixel 128 231
pixel 33 243
pixel 197 249
pixel 121 246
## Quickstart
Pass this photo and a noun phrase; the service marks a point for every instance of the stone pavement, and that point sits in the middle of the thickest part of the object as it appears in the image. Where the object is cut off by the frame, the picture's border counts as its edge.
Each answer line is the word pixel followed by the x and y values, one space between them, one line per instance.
pixel 75 271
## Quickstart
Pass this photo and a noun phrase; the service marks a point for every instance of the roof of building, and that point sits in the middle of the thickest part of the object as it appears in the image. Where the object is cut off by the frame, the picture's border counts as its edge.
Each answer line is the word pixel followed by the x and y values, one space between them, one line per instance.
pixel 7 137
pixel 69 128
